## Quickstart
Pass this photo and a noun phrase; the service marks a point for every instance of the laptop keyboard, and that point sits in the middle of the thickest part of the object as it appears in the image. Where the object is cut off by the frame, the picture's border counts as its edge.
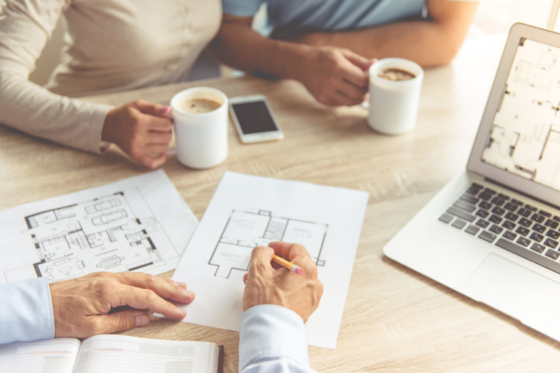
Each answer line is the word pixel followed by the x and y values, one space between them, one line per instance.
pixel 508 223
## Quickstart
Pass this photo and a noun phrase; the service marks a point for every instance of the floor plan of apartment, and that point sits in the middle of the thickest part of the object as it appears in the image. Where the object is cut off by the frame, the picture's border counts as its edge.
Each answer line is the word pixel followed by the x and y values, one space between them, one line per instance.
pixel 247 230
pixel 136 228
pixel 525 136
pixel 99 235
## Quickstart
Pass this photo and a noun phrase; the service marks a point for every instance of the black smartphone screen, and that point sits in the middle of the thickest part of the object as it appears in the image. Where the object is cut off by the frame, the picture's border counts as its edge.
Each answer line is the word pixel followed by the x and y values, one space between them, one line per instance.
pixel 254 117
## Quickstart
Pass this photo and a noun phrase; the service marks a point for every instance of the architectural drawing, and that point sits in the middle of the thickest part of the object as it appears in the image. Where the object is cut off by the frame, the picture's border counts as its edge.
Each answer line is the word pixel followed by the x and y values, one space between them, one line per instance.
pixel 525 136
pixel 104 234
pixel 247 230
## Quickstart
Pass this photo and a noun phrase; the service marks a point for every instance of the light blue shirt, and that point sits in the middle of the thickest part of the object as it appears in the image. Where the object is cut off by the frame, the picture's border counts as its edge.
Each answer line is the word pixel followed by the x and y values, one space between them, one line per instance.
pixel 290 18
pixel 271 338
pixel 26 311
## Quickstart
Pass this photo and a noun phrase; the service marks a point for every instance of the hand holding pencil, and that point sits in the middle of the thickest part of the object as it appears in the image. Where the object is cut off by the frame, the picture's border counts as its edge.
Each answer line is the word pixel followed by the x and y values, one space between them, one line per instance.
pixel 288 265
pixel 268 281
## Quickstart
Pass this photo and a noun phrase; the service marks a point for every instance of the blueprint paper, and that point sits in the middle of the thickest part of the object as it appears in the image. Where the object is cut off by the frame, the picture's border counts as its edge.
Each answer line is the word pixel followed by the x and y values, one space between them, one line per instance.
pixel 140 224
pixel 247 211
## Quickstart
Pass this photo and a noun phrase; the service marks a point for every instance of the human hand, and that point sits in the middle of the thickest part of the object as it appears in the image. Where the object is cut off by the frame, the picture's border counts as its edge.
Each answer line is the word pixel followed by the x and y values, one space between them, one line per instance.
pixel 142 130
pixel 334 76
pixel 81 306
pixel 268 283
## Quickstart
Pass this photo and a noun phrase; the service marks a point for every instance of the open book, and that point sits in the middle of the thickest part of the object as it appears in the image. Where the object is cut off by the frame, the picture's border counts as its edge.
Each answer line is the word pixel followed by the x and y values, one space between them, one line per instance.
pixel 111 353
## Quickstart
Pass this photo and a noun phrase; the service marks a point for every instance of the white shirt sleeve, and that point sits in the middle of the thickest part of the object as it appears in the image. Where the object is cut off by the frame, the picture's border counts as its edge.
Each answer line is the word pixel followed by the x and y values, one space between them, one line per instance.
pixel 26 311
pixel 25 26
pixel 272 339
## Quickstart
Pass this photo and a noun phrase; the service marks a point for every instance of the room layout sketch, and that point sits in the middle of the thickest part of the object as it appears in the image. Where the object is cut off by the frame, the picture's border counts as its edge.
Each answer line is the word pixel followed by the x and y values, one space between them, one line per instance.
pixel 247 230
pixel 113 233
pixel 525 135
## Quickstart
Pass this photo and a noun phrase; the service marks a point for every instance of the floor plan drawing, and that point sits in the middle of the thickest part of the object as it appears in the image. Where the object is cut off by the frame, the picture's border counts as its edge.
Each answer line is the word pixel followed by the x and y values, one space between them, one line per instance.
pixel 525 136
pixel 247 230
pixel 103 234
pixel 249 210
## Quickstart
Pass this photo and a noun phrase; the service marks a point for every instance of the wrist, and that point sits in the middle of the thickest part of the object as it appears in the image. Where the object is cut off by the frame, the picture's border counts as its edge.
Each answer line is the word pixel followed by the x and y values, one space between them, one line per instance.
pixel 297 59
pixel 108 133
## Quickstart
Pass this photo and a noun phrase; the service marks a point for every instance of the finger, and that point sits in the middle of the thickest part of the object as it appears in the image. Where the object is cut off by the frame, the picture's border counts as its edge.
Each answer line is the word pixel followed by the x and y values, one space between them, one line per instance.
pixel 293 252
pixel 342 99
pixel 339 99
pixel 156 149
pixel 169 289
pixel 146 299
pixel 182 285
pixel 359 61
pixel 336 98
pixel 354 74
pixel 120 321
pixel 261 257
pixel 151 162
pixel 356 94
pixel 158 137
pixel 153 123
pixel 245 278
pixel 153 109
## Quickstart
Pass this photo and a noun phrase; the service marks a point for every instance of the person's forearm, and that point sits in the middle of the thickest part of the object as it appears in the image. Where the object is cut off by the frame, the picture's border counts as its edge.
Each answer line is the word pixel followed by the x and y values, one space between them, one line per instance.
pixel 272 339
pixel 28 107
pixel 428 43
pixel 38 112
pixel 242 48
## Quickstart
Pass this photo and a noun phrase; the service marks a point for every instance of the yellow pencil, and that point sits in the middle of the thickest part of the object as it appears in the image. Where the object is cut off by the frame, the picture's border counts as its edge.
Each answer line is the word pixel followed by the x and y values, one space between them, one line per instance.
pixel 288 265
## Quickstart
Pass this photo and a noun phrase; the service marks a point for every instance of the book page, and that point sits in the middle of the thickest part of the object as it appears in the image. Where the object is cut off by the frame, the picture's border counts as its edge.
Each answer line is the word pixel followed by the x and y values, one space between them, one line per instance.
pixel 122 354
pixel 48 356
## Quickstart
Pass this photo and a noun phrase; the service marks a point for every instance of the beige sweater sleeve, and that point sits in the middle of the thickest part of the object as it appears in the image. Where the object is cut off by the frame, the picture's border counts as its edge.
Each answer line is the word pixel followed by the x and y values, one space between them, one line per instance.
pixel 25 26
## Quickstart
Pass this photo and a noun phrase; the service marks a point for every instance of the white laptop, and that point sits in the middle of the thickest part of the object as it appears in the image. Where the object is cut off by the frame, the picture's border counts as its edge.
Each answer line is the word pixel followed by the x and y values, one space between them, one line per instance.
pixel 493 232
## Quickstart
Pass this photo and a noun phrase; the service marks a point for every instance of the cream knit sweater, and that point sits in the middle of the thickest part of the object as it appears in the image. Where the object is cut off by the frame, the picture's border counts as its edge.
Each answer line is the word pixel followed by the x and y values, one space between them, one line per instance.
pixel 111 45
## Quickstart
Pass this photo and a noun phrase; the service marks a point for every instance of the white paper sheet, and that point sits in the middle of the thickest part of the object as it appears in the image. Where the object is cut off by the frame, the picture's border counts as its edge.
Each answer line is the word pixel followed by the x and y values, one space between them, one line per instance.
pixel 248 211
pixel 137 224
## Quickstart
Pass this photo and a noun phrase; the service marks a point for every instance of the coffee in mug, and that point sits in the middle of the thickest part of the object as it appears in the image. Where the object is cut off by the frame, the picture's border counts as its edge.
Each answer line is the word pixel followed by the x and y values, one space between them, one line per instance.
pixel 396 75
pixel 394 95
pixel 198 105
pixel 200 120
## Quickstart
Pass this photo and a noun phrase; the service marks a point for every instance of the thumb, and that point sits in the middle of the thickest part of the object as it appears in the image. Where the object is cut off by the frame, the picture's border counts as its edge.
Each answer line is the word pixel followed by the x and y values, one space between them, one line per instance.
pixel 153 109
pixel 151 162
pixel 123 320
pixel 362 62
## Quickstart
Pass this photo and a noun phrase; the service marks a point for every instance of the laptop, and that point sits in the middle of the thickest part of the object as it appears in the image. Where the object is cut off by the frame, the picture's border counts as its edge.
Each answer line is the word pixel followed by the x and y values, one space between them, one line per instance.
pixel 493 232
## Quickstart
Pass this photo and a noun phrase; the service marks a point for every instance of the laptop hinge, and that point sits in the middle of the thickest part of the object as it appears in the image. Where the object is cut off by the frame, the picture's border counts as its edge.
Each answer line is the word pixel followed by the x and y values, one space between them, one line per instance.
pixel 522 193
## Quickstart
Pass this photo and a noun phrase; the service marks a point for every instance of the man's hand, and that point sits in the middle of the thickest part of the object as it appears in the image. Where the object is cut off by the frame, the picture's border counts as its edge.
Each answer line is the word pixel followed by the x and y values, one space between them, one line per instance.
pixel 334 76
pixel 265 283
pixel 81 306
pixel 141 129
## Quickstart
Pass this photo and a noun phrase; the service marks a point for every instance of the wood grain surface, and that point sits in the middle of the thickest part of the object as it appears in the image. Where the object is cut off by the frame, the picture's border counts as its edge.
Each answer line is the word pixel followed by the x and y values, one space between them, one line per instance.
pixel 395 320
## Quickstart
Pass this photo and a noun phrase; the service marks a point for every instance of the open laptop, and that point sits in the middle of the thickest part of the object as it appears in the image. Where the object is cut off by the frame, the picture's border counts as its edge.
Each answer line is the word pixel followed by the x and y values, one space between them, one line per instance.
pixel 493 232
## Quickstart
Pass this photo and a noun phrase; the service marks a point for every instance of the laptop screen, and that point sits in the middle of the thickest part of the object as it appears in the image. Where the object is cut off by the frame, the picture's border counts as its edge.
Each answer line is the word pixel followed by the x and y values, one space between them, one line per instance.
pixel 525 134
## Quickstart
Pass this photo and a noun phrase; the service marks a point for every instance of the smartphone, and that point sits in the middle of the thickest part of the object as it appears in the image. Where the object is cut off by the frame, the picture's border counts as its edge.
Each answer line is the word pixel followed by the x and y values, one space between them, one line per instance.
pixel 253 119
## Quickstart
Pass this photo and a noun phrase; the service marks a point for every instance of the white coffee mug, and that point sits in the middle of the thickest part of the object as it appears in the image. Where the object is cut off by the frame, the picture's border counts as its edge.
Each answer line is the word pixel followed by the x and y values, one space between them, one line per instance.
pixel 393 105
pixel 201 138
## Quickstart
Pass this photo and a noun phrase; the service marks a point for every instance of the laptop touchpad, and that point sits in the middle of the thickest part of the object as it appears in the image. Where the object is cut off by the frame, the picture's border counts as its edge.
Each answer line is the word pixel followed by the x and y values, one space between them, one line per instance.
pixel 515 290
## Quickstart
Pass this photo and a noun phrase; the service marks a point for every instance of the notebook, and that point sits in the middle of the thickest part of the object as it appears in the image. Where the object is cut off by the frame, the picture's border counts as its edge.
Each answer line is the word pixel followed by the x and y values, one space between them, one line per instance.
pixel 111 353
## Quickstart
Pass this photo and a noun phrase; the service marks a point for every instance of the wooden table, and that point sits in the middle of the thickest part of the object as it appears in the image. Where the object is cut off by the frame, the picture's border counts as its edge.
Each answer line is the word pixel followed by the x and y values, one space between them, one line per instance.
pixel 395 320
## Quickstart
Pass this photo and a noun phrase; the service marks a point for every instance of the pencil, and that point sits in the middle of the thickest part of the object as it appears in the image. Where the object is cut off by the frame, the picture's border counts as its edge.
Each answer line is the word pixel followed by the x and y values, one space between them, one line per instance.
pixel 288 265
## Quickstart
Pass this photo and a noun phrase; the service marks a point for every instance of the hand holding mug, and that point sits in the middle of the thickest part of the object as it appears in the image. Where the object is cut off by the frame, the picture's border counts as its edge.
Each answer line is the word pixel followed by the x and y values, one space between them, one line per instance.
pixel 140 129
